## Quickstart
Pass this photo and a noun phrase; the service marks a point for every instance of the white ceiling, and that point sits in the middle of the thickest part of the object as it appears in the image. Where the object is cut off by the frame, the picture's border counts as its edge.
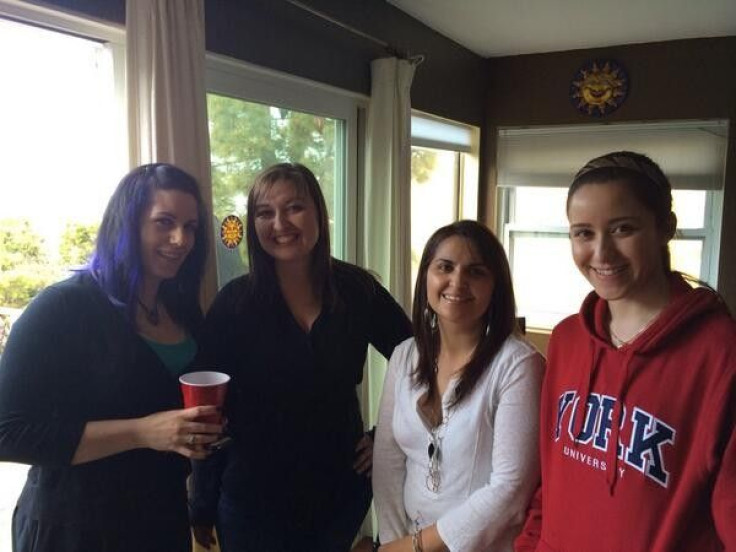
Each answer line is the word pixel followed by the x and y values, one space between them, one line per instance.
pixel 509 27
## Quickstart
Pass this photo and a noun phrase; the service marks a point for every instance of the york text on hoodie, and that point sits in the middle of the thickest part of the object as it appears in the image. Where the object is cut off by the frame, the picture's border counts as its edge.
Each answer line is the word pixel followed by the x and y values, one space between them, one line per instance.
pixel 647 446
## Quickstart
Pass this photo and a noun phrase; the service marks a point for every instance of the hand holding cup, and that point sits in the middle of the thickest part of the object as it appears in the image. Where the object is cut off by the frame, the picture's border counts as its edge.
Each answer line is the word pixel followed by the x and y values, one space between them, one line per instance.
pixel 205 388
pixel 180 431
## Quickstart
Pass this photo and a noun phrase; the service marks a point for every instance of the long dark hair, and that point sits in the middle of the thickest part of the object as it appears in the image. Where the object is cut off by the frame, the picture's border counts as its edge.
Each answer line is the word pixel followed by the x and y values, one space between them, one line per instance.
pixel 263 281
pixel 643 178
pixel 500 316
pixel 117 262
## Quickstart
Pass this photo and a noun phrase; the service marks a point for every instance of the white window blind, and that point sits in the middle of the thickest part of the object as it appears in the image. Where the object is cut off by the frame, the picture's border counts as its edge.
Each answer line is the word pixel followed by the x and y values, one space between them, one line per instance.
pixel 433 132
pixel 691 153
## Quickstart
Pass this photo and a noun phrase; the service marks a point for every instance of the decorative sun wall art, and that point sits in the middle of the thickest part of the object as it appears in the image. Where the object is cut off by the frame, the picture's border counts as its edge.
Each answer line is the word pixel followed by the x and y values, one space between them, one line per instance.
pixel 231 231
pixel 599 87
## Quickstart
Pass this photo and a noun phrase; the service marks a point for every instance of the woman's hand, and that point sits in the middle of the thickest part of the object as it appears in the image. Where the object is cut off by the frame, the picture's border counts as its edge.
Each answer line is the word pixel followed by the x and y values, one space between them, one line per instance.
pixel 204 535
pixel 173 430
pixel 179 431
pixel 364 456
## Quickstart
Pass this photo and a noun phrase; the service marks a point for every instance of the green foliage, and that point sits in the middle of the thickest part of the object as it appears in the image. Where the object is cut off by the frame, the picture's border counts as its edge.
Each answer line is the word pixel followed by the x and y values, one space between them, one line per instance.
pixel 17 287
pixel 77 243
pixel 19 244
pixel 423 162
pixel 21 284
pixel 25 269
pixel 246 138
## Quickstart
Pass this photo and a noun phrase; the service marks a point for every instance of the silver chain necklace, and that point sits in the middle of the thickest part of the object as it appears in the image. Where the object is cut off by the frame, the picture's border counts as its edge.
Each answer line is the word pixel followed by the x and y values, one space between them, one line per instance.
pixel 434 453
pixel 618 342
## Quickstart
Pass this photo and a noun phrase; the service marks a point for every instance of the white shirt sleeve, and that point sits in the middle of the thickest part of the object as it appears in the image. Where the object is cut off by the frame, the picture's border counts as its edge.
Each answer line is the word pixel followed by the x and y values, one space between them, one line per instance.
pixel 488 513
pixel 389 461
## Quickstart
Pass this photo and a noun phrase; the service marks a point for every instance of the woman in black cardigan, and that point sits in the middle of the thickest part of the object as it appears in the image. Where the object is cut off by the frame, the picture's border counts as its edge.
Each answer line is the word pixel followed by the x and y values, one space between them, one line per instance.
pixel 293 335
pixel 88 381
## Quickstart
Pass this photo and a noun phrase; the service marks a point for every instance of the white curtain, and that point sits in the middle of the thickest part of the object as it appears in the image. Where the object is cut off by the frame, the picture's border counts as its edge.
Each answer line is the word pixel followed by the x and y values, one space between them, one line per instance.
pixel 167 105
pixel 386 205
pixel 386 247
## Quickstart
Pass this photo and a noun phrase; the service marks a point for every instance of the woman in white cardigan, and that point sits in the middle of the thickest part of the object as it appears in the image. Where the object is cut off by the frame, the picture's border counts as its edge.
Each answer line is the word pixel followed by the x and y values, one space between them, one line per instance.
pixel 455 458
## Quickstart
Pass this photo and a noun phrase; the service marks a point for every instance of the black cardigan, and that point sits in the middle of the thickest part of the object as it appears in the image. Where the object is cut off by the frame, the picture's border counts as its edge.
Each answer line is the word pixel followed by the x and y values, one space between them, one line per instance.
pixel 292 406
pixel 72 357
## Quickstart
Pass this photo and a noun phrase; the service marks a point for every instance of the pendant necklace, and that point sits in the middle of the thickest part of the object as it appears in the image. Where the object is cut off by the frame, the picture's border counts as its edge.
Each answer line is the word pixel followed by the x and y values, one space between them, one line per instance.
pixel 151 314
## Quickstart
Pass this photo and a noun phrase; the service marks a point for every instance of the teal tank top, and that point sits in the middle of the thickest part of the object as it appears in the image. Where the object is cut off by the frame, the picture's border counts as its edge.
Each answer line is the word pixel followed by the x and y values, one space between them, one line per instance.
pixel 175 356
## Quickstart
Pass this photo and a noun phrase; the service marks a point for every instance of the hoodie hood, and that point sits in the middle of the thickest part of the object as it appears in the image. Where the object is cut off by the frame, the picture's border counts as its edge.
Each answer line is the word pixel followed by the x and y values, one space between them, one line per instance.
pixel 686 304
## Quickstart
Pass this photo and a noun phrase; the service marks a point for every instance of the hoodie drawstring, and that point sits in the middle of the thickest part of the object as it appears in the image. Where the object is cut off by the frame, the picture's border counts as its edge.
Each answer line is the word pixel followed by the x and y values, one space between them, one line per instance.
pixel 616 420
pixel 586 379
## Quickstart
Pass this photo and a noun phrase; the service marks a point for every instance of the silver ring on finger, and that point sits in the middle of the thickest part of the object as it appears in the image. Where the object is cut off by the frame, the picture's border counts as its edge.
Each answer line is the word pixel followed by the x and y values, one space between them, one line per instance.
pixel 190 441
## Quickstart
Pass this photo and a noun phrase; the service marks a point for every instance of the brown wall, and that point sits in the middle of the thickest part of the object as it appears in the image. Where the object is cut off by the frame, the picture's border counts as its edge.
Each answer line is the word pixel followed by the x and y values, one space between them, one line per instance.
pixel 273 33
pixel 451 82
pixel 684 79
pixel 105 10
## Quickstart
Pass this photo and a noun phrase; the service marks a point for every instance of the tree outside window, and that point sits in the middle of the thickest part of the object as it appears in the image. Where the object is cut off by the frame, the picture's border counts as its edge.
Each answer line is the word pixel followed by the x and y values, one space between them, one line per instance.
pixel 247 137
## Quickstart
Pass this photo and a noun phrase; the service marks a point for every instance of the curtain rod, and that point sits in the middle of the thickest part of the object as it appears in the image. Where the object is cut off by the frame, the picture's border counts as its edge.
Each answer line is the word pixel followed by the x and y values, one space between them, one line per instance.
pixel 416 59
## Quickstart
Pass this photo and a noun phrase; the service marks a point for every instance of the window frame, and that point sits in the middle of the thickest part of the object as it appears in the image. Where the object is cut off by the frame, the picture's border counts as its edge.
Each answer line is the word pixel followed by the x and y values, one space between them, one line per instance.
pixel 111 35
pixel 108 35
pixel 708 234
pixel 462 139
pixel 55 19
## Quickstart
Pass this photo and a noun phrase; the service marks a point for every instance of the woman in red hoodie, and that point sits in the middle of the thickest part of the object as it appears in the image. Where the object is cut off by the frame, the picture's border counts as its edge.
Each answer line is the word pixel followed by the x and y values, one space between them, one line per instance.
pixel 639 400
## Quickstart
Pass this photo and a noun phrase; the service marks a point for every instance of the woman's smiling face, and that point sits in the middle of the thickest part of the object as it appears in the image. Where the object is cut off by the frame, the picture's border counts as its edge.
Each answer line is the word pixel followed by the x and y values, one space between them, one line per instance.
pixel 167 233
pixel 459 284
pixel 286 223
pixel 616 243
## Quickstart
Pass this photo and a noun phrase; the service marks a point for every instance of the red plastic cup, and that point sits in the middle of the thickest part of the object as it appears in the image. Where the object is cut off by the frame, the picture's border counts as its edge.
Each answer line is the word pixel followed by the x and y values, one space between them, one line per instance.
pixel 203 389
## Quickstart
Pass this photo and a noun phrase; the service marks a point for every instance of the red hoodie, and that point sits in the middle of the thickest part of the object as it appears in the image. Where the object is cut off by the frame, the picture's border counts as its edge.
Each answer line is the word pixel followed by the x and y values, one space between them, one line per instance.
pixel 669 400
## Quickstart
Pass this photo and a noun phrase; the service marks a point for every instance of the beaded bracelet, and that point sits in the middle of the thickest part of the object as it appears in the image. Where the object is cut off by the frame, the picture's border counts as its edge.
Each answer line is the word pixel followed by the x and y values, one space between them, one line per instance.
pixel 416 541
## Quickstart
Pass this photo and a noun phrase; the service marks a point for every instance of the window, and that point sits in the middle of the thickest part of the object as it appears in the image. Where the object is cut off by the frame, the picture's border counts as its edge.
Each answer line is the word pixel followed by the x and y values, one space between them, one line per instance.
pixel 65 150
pixel 62 138
pixel 258 118
pixel 444 178
pixel 535 167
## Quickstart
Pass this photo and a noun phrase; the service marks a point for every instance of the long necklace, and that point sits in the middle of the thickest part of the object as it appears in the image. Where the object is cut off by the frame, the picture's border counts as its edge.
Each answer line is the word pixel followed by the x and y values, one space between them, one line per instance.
pixel 151 314
pixel 434 454
pixel 434 447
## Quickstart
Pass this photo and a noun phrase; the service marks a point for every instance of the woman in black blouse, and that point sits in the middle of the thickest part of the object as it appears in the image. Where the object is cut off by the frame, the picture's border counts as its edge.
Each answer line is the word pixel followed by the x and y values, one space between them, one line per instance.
pixel 293 334
pixel 89 395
